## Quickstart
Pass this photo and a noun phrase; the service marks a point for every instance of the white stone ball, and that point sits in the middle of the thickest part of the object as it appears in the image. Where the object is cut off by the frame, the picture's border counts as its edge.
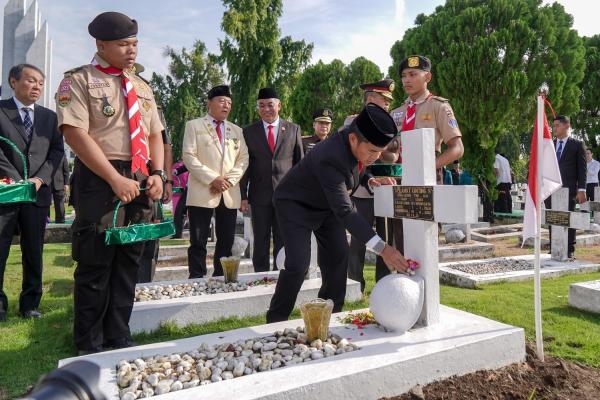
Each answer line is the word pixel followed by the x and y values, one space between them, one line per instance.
pixel 396 301
pixel 455 236
pixel 280 259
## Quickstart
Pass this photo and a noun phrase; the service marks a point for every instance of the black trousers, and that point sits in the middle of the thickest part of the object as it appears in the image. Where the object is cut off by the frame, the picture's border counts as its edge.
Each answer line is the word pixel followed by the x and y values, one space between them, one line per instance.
pixel 225 220
pixel 58 197
pixel 589 190
pixel 333 245
pixel 356 256
pixel 180 211
pixel 31 223
pixel 264 222
pixel 105 276
pixel 503 203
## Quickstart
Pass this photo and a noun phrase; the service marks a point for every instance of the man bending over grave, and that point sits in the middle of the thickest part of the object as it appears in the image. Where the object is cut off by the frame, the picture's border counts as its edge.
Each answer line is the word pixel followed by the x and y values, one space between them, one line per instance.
pixel 314 196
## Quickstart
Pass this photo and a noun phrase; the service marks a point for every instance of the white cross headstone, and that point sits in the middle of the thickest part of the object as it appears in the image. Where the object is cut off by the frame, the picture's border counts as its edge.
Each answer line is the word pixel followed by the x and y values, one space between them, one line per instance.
pixel 423 204
pixel 560 220
pixel 593 206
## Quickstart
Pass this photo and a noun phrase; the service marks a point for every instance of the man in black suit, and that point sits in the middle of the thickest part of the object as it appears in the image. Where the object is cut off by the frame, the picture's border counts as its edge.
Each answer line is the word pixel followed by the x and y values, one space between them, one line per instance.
pixel 274 147
pixel 34 130
pixel 60 185
pixel 570 153
pixel 315 197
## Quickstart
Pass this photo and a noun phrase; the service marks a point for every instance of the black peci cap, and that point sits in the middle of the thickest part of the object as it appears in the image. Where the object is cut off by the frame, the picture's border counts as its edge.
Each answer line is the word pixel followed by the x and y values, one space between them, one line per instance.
pixel 323 115
pixel 384 87
pixel 375 124
pixel 267 93
pixel 221 90
pixel 112 25
pixel 416 62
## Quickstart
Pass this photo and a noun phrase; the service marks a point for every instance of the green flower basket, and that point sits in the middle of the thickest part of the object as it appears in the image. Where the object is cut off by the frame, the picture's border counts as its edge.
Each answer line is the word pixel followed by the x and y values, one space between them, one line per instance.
pixel 19 192
pixel 138 232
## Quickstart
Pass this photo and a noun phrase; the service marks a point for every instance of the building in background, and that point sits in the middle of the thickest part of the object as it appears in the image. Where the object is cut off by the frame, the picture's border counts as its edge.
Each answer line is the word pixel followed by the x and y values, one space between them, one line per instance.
pixel 26 40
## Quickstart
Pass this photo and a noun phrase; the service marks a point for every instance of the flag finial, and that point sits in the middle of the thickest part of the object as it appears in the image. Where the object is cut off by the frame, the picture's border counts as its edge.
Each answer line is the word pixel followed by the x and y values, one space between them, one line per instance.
pixel 544 89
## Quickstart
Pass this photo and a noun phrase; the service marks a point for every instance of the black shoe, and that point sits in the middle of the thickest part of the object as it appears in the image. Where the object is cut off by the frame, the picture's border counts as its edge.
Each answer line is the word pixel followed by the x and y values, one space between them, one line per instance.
pixel 31 314
pixel 95 350
pixel 120 343
pixel 571 256
pixel 2 316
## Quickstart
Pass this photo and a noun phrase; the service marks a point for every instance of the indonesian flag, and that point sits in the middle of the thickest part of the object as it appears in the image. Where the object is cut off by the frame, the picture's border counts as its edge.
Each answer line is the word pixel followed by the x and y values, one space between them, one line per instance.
pixel 548 168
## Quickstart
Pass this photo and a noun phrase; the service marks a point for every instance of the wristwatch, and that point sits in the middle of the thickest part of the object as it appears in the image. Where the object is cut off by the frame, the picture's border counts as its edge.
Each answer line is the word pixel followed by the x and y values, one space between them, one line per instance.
pixel 160 173
pixel 378 247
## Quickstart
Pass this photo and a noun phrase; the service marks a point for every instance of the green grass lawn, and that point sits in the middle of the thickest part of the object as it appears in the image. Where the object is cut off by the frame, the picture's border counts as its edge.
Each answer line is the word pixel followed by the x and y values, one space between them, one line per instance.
pixel 31 348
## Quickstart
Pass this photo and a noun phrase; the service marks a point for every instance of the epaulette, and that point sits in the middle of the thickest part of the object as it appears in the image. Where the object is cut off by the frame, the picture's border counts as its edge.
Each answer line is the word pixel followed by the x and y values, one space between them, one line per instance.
pixel 439 98
pixel 72 71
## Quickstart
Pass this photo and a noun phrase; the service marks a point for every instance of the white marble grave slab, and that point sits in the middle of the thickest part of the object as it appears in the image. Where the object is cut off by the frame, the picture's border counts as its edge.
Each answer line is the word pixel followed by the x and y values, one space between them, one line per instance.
pixel 387 364
pixel 585 296
pixel 148 315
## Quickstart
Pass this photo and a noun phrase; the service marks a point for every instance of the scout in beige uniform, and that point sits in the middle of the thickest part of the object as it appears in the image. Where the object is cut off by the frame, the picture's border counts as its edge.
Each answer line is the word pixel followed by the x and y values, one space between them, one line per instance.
pixel 423 110
pixel 114 142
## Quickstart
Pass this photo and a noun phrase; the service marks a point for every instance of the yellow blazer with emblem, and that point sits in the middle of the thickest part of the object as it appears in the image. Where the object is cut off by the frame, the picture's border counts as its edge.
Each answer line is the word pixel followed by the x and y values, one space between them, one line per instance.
pixel 205 160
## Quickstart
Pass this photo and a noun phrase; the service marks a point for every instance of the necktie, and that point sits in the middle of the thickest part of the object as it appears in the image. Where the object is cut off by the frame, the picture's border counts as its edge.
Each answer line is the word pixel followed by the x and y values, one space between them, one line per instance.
pixel 409 120
pixel 559 150
pixel 271 138
pixel 28 123
pixel 218 129
pixel 361 167
pixel 139 151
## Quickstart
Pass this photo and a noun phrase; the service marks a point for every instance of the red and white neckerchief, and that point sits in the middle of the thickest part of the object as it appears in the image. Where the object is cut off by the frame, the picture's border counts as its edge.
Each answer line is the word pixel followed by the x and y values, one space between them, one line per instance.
pixel 408 124
pixel 139 149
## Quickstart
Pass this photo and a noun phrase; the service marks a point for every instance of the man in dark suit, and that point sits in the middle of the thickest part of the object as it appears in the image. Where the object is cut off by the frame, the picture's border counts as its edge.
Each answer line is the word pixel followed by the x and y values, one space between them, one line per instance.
pixel 315 197
pixel 570 153
pixel 60 185
pixel 34 130
pixel 274 147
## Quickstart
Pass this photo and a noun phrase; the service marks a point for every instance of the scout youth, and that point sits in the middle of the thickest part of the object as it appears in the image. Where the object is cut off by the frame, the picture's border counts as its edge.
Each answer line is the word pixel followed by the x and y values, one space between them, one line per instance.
pixel 109 118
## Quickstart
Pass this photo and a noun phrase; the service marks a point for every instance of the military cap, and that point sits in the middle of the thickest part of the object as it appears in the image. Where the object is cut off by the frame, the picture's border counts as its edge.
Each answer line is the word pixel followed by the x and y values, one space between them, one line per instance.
pixel 112 25
pixel 221 90
pixel 323 115
pixel 384 87
pixel 416 62
pixel 267 93
pixel 375 124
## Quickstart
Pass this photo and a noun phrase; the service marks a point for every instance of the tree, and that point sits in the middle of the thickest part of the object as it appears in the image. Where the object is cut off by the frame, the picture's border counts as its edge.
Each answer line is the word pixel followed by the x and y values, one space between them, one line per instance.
pixel 251 50
pixel 489 58
pixel 335 86
pixel 182 93
pixel 295 56
pixel 587 122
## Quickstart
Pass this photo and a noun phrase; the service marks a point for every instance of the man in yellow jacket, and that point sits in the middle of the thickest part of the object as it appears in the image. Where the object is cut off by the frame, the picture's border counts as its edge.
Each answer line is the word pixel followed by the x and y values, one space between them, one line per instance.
pixel 216 157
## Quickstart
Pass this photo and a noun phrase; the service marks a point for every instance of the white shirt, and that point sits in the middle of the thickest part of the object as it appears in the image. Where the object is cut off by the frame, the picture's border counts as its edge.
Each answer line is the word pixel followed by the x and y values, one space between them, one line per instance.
pixel 22 113
pixel 593 167
pixel 275 125
pixel 503 167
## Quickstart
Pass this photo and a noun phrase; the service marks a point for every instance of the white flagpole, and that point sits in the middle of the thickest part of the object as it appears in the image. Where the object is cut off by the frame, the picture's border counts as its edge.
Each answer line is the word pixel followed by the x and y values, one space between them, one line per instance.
pixel 537 284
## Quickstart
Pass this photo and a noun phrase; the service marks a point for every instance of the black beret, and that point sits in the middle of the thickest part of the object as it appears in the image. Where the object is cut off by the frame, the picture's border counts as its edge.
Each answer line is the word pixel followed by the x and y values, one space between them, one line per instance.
pixel 323 115
pixel 416 62
pixel 375 124
pixel 384 87
pixel 112 25
pixel 267 93
pixel 221 90
pixel 562 118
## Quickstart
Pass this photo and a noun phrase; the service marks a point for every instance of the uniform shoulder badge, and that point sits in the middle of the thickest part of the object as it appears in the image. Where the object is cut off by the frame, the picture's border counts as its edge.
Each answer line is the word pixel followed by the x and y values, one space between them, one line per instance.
pixel 72 71
pixel 440 98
